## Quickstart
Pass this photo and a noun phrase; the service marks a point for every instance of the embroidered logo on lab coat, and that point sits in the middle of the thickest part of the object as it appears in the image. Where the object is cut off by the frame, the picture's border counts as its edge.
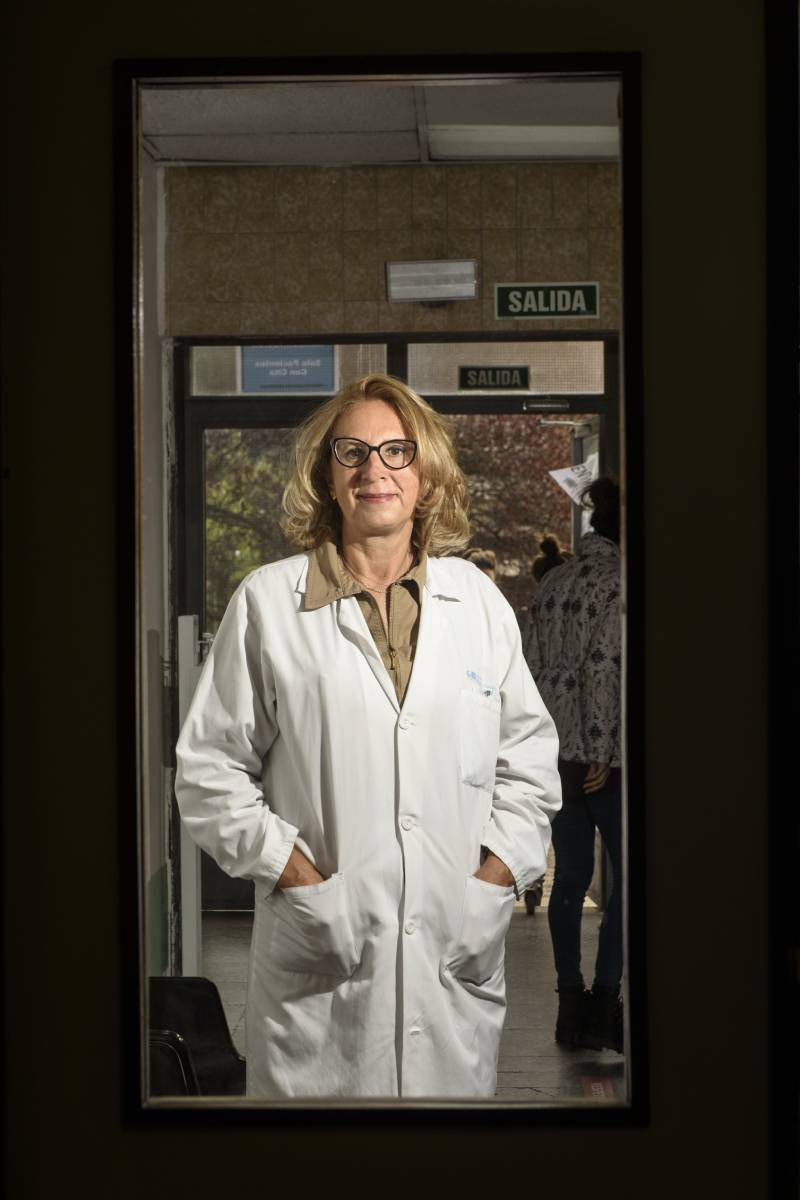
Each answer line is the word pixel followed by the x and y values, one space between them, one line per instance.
pixel 486 689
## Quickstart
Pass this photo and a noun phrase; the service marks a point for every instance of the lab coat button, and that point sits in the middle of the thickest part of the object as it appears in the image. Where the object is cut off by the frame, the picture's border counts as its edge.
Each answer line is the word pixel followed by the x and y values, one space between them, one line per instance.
pixel 410 926
pixel 414 1031
pixel 404 722
pixel 407 822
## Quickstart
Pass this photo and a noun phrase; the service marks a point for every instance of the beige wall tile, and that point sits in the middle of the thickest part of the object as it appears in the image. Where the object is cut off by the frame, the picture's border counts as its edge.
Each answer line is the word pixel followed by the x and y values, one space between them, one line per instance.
pixel 604 195
pixel 499 259
pixel 498 197
pixel 254 267
pixel 463 243
pixel 202 318
pixel 290 281
pixel 394 247
pixel 605 254
pixel 325 267
pixel 362 271
pixel 429 243
pixel 428 196
pixel 610 307
pixel 223 202
pixel 257 319
pixel 430 318
pixel 325 317
pixel 395 318
pixel 291 319
pixel 361 316
pixel 489 322
pixel 550 255
pixel 185 199
pixel 465 315
pixel 571 194
pixel 394 197
pixel 360 199
pixel 185 266
pixel 184 190
pixel 534 194
pixel 325 190
pixel 256 200
pixel 588 325
pixel 463 187
pixel 291 199
pixel 221 278
pixel 294 250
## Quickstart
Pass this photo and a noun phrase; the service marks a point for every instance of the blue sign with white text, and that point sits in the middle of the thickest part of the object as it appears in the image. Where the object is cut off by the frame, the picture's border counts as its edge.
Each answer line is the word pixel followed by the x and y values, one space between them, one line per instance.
pixel 276 369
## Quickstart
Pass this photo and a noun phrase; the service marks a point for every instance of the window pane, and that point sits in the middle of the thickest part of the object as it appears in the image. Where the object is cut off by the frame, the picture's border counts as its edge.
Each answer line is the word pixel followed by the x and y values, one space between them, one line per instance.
pixel 217 370
pixel 356 361
pixel 214 370
pixel 555 367
pixel 245 474
pixel 506 458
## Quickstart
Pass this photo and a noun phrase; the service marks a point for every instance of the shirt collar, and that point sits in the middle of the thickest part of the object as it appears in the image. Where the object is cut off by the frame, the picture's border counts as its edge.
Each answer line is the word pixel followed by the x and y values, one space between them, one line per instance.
pixel 326 579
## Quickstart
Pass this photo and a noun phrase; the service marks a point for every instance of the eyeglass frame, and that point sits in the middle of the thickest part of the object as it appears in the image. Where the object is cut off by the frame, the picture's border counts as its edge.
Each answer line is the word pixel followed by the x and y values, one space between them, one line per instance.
pixel 378 448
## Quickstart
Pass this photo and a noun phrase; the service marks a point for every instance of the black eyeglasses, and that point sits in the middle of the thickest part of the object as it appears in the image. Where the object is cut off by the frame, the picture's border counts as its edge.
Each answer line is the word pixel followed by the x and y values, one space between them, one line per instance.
pixel 395 454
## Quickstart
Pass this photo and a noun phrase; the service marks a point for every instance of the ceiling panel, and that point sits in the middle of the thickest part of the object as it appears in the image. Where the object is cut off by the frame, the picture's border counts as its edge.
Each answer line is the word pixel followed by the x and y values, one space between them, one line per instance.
pixel 340 122
pixel 528 102
pixel 277 108
pixel 288 150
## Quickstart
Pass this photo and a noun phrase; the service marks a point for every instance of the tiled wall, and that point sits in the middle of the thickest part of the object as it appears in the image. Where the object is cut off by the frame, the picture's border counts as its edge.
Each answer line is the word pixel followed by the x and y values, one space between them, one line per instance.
pixel 276 250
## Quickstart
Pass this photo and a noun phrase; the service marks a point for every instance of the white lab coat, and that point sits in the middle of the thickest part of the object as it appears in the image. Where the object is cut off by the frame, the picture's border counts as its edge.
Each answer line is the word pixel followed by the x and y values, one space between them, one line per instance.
pixel 387 979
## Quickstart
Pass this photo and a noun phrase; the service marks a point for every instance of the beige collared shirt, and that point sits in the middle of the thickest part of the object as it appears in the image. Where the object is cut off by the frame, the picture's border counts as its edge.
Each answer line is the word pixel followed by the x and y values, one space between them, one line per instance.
pixel 329 580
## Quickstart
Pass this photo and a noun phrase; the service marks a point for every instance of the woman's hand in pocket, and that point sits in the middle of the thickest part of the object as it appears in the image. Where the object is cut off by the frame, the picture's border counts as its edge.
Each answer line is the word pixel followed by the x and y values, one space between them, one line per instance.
pixel 494 870
pixel 299 872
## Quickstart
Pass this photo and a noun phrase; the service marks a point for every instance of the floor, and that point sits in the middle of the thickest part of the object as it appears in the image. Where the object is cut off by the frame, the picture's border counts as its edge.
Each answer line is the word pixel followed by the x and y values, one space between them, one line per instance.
pixel 531 1066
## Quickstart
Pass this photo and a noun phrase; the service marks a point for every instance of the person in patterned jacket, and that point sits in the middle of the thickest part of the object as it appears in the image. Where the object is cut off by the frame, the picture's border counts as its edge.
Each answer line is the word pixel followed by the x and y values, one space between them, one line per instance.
pixel 573 648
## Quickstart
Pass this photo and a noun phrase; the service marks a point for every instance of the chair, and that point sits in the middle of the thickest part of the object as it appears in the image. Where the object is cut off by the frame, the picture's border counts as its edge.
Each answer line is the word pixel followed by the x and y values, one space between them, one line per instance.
pixel 191 1006
pixel 172 1072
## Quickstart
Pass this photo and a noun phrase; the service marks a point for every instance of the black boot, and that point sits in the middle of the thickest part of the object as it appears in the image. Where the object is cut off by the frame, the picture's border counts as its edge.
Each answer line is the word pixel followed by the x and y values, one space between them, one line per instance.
pixel 533 898
pixel 572 1003
pixel 603 1026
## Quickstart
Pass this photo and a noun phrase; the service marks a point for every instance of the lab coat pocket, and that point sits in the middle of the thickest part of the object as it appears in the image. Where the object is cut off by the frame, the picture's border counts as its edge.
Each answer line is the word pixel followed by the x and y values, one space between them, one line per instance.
pixel 480 947
pixel 479 733
pixel 312 931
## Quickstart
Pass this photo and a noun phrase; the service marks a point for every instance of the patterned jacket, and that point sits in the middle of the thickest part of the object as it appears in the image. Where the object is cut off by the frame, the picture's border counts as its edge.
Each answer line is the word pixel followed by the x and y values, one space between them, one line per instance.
pixel 573 648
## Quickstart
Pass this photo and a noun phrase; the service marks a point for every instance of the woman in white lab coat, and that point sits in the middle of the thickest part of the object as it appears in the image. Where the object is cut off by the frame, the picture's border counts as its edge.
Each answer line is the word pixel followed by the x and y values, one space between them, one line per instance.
pixel 367 744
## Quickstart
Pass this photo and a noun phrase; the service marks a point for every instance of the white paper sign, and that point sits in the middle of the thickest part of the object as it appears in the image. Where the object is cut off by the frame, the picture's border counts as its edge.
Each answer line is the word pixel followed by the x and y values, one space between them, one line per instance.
pixel 575 480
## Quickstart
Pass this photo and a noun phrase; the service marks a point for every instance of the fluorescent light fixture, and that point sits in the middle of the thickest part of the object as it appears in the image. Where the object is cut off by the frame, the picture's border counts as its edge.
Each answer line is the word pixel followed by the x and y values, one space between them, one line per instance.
pixel 523 141
pixel 432 280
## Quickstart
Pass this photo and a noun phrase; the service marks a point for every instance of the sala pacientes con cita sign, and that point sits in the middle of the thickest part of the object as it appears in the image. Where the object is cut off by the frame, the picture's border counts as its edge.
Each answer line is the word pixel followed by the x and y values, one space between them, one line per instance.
pixel 527 301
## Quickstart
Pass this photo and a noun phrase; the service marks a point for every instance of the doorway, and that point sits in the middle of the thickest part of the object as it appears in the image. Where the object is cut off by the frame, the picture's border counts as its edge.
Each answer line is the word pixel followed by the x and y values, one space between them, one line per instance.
pixel 233 461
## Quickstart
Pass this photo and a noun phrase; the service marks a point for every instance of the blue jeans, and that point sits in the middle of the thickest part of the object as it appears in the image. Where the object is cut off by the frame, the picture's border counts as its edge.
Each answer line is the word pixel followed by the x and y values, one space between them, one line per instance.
pixel 573 842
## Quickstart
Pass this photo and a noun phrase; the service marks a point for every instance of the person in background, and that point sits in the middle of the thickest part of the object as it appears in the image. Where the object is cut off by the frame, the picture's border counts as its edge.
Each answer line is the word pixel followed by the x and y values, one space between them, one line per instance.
pixel 484 560
pixel 550 555
pixel 573 647
pixel 366 743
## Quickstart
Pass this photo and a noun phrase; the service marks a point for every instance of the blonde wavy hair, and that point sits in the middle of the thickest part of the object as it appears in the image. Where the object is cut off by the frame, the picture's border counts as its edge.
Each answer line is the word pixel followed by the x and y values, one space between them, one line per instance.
pixel 311 517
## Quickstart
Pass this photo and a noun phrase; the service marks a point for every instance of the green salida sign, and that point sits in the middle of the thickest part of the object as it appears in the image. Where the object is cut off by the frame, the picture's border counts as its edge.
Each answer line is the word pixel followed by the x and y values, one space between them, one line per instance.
pixel 527 301
pixel 497 378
